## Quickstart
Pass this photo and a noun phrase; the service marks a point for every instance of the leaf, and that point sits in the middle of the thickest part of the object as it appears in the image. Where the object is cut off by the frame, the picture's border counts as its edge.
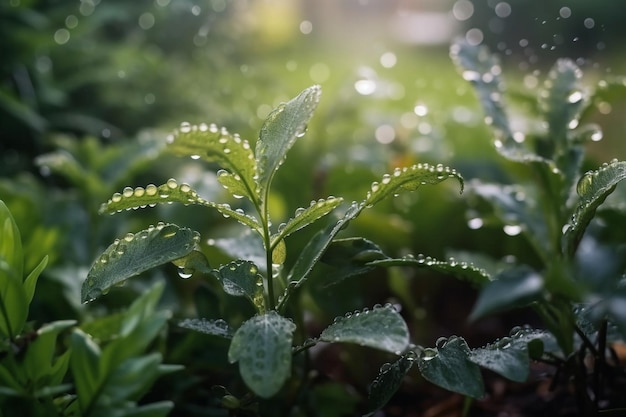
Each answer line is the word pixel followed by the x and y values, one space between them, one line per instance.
pixel 281 129
pixel 85 367
pixel 31 280
pixel 350 257
pixel 242 278
pixel 448 366
pixel 211 327
pixel 39 361
pixel 462 270
pixel 388 381
pixel 509 356
pixel 512 288
pixel 262 346
pixel 65 164
pixel 171 192
pixel 211 144
pixel 305 216
pixel 11 242
pixel 593 188
pixel 136 253
pixel 380 328
pixel 247 246
pixel 409 179
pixel 232 183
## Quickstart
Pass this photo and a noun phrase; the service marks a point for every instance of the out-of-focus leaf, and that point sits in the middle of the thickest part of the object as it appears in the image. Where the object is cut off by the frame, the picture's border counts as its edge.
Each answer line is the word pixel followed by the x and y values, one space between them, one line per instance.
pixel 242 278
pixel 388 381
pixel 350 257
pixel 211 327
pixel 262 346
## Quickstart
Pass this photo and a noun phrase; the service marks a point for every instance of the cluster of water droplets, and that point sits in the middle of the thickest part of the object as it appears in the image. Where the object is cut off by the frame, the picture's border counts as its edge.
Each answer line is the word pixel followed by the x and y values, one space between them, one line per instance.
pixel 150 196
pixel 217 327
pixel 451 262
pixel 315 204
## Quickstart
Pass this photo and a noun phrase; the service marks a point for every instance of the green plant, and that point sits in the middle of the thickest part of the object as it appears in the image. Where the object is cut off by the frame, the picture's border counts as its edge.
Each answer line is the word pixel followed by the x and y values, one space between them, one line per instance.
pixel 262 343
pixel 107 378
pixel 574 280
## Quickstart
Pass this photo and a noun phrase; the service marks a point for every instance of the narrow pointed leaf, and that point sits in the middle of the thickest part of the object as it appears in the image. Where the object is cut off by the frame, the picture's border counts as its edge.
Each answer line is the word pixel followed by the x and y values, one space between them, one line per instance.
pixel 242 278
pixel 509 356
pixel 305 216
pixel 409 179
pixel 279 132
pixel 31 280
pixel 512 288
pixel 65 164
pixel 448 366
pixel 463 270
pixel 211 327
pixel 213 144
pixel 11 242
pixel 593 188
pixel 388 381
pixel 84 363
pixel 262 346
pixel 380 328
pixel 238 214
pixel 136 253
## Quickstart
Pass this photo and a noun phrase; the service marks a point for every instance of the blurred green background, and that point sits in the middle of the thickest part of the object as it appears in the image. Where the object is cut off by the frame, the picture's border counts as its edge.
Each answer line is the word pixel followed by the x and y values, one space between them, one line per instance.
pixel 96 85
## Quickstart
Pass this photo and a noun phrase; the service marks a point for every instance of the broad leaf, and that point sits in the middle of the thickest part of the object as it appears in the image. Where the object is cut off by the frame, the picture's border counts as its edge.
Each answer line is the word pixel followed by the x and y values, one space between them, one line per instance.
pixel 262 346
pixel 212 144
pixel 512 288
pixel 242 278
pixel 593 188
pixel 247 246
pixel 462 270
pixel 350 257
pixel 380 328
pixel 282 127
pixel 171 192
pixel 305 216
pixel 211 327
pixel 409 179
pixel 509 356
pixel 136 253
pixel 448 366
pixel 388 381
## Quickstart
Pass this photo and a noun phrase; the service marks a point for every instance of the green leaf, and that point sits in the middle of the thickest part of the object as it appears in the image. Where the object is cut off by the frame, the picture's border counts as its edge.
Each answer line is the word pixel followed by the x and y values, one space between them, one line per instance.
pixel 462 270
pixel 512 288
pixel 242 278
pixel 211 327
pixel 39 361
pixel 388 381
pixel 31 280
pixel 262 346
pixel 350 257
pixel 593 188
pixel 136 253
pixel 448 366
pixel 156 409
pixel 281 129
pixel 85 367
pixel 380 328
pixel 132 378
pixel 409 179
pixel 305 216
pixel 509 356
pixel 11 242
pixel 233 184
pixel 65 164
pixel 212 144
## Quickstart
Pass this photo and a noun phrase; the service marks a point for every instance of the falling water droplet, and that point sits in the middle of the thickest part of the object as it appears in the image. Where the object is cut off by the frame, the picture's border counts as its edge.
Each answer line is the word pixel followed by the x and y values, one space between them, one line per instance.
pixel 185 273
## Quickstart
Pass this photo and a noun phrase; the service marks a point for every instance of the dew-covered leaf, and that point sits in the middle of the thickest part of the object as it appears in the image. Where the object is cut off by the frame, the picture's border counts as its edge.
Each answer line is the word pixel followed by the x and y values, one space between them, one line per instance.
pixel 232 183
pixel 213 144
pixel 242 278
pixel 306 216
pixel 462 270
pixel 593 188
pixel 247 246
pixel 281 129
pixel 512 288
pixel 262 346
pixel 350 257
pixel 449 367
pixel 388 381
pixel 136 253
pixel 211 327
pixel 171 192
pixel 380 328
pixel 409 179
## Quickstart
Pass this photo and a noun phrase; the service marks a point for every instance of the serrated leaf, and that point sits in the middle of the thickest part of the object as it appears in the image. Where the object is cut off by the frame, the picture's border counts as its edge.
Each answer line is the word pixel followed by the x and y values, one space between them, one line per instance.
pixel 409 179
pixel 448 366
pixel 512 288
pixel 136 253
pixel 593 188
pixel 380 328
pixel 211 327
pixel 509 356
pixel 388 381
pixel 212 144
pixel 242 278
pixel 262 346
pixel 462 270
pixel 306 216
pixel 350 257
pixel 280 131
